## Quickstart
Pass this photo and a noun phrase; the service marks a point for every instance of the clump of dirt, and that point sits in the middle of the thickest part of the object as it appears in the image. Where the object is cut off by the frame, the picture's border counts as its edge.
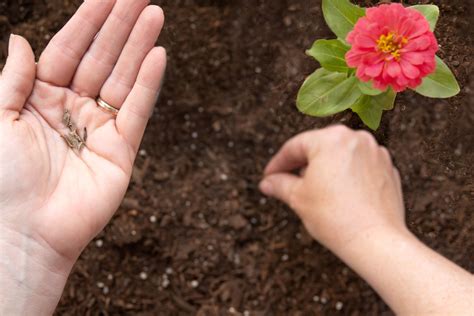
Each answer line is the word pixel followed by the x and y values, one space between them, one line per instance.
pixel 194 236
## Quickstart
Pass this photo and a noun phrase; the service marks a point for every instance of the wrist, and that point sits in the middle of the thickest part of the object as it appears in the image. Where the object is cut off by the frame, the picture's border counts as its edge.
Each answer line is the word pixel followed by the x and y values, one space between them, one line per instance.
pixel 410 277
pixel 371 240
pixel 32 275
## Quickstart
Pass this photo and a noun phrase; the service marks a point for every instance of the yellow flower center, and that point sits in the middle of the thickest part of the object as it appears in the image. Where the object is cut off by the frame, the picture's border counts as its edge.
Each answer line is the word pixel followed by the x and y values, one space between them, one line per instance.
pixel 391 44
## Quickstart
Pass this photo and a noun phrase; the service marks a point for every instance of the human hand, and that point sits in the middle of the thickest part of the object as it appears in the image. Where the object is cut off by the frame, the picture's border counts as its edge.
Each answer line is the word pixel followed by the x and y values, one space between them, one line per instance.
pixel 53 198
pixel 349 197
pixel 348 186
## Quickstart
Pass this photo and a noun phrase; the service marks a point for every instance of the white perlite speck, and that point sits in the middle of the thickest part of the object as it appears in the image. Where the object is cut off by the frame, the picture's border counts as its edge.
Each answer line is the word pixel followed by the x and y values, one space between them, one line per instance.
pixel 165 282
pixel 143 275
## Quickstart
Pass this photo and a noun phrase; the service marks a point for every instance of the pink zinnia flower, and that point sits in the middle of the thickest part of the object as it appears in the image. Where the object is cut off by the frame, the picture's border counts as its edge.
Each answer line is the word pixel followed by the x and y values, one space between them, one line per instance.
pixel 392 45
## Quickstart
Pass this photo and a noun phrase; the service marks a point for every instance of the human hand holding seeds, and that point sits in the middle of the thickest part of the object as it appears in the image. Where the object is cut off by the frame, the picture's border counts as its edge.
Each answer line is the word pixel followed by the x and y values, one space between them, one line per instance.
pixel 65 161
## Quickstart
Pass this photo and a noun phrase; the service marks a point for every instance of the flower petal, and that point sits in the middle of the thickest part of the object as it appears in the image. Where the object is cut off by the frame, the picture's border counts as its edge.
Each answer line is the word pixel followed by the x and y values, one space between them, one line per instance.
pixel 351 37
pixel 374 70
pixel 415 58
pixel 365 41
pixel 414 83
pixel 424 42
pixel 421 27
pixel 360 73
pixel 393 69
pixel 354 57
pixel 409 70
pixel 381 85
pixel 402 80
pixel 397 88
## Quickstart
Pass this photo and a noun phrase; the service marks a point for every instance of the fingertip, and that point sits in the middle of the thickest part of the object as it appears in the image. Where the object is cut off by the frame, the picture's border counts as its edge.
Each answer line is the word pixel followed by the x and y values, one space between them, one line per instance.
pixel 18 74
pixel 155 15
pixel 163 57
pixel 280 186
pixel 19 44
pixel 159 11
pixel 161 52
pixel 153 68
pixel 266 187
pixel 21 59
pixel 11 43
pixel 157 58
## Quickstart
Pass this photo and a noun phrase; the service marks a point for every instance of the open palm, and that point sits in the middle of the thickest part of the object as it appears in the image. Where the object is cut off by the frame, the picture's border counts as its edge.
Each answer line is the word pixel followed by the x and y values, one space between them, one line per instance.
pixel 58 196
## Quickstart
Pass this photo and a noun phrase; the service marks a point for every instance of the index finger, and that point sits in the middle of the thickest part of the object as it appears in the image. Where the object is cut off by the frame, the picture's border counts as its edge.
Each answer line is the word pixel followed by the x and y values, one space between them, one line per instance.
pixel 294 154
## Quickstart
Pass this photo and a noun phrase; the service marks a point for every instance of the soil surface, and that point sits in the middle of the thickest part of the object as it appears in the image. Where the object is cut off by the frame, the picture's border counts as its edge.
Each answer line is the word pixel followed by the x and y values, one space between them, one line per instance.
pixel 194 235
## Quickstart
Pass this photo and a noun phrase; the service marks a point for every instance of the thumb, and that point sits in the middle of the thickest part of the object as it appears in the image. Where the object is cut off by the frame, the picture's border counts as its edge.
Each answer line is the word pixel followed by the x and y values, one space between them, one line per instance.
pixel 18 76
pixel 280 186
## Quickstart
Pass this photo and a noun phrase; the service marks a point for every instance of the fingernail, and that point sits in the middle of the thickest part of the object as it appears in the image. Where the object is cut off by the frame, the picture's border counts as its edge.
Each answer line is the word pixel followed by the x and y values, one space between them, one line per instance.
pixel 266 187
pixel 11 43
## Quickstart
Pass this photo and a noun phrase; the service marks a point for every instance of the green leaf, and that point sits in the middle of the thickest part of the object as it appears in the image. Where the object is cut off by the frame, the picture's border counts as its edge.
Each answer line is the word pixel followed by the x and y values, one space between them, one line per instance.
pixel 330 54
pixel 440 84
pixel 325 93
pixel 385 100
pixel 369 114
pixel 430 11
pixel 368 89
pixel 370 108
pixel 341 16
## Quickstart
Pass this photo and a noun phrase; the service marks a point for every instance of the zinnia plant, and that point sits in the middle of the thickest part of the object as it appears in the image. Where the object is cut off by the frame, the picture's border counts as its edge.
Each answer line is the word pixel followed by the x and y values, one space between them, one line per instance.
pixel 379 52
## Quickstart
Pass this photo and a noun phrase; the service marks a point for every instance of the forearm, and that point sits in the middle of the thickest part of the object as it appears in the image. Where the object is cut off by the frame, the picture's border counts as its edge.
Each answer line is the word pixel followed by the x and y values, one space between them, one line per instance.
pixel 31 277
pixel 410 277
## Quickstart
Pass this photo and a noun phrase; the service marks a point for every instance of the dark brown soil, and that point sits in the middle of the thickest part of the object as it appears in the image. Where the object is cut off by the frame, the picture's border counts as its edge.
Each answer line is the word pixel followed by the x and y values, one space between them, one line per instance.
pixel 194 236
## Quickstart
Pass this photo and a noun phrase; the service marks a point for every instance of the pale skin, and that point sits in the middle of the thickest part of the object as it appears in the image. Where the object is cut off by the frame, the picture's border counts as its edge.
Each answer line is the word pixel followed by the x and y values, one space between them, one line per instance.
pixel 350 199
pixel 54 199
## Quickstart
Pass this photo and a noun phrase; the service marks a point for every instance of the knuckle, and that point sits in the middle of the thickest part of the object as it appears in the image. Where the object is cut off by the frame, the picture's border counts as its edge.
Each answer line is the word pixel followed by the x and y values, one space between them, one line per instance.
pixel 340 129
pixel 340 133
pixel 365 138
pixel 397 174
pixel 386 153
